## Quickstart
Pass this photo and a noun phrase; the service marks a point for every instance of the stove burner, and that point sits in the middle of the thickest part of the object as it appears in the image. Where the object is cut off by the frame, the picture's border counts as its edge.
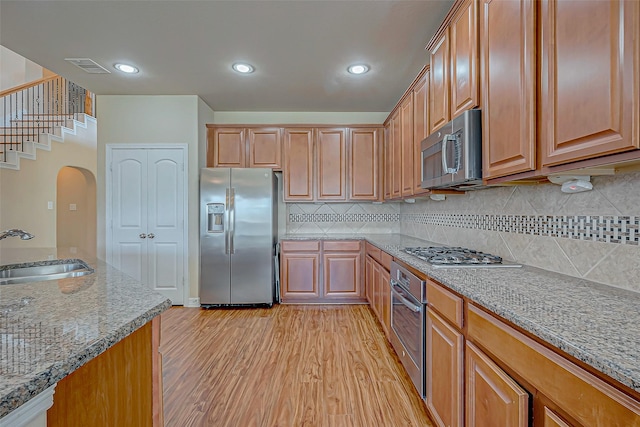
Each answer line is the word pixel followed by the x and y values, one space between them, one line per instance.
pixel 443 255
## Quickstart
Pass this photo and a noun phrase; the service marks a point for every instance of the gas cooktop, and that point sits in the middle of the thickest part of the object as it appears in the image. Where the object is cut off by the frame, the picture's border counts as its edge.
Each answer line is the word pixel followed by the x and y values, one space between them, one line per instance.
pixel 457 257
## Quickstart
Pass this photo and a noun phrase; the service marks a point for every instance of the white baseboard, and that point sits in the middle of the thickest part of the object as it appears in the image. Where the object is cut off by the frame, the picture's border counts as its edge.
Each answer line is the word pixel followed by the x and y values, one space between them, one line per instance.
pixel 192 302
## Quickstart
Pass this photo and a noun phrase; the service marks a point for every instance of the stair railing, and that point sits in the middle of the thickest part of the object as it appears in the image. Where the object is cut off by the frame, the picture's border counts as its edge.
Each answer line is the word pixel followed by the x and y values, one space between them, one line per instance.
pixel 37 107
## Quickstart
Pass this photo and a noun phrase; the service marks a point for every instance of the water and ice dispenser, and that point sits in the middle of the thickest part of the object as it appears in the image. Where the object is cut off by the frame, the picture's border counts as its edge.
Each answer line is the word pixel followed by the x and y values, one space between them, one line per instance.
pixel 215 217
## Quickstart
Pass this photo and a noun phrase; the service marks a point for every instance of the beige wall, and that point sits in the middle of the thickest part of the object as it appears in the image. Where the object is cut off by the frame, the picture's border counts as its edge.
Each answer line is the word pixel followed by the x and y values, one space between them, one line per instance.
pixel 24 194
pixel 76 210
pixel 16 70
pixel 125 119
pixel 296 117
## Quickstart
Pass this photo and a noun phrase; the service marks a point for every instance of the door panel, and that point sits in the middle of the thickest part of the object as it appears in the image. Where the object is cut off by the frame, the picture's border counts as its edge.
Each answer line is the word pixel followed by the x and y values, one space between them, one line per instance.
pixel 439 85
pixel 332 164
pixel 464 59
pixel 229 148
pixel 253 236
pixel 265 148
pixel 298 167
pixel 165 272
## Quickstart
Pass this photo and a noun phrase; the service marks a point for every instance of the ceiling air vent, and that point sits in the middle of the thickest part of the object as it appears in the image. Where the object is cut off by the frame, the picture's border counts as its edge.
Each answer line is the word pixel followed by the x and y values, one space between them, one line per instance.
pixel 88 65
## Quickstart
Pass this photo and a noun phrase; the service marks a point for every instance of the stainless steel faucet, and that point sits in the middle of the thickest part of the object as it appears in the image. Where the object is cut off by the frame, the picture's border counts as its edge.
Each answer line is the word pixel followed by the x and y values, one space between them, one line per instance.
pixel 14 232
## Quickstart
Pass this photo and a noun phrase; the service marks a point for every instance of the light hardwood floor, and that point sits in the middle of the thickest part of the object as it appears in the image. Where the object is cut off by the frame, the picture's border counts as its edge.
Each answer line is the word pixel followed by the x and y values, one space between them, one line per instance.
pixel 287 366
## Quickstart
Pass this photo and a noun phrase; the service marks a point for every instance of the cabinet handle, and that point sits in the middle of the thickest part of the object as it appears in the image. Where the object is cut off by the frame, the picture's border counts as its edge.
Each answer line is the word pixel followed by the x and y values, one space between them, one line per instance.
pixel 151 235
pixel 143 236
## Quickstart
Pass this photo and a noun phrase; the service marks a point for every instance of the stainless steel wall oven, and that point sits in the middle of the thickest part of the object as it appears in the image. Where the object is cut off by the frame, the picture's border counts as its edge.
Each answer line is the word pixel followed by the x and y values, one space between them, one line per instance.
pixel 408 309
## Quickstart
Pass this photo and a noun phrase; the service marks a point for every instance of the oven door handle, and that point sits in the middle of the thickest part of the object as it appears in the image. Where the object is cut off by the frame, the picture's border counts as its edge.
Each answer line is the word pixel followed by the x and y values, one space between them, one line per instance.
pixel 403 299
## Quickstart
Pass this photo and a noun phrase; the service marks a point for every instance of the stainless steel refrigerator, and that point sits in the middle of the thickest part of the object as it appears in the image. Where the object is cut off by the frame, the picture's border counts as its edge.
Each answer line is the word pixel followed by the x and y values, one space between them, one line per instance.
pixel 238 236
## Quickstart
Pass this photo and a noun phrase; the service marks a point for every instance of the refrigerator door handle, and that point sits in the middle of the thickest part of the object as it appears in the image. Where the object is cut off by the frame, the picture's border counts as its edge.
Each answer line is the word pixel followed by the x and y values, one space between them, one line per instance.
pixel 226 230
pixel 232 219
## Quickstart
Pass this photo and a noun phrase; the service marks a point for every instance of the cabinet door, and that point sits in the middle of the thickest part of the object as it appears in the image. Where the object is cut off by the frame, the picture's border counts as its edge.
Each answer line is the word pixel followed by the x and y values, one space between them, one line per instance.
pixel 342 275
pixel 439 86
pixel 406 148
pixel 298 167
pixel 388 160
pixel 229 148
pixel 493 398
pixel 385 299
pixel 464 58
pixel 508 72
pixel 331 149
pixel 551 419
pixel 265 148
pixel 299 276
pixel 377 295
pixel 420 128
pixel 368 279
pixel 364 164
pixel 396 149
pixel 444 372
pixel 588 97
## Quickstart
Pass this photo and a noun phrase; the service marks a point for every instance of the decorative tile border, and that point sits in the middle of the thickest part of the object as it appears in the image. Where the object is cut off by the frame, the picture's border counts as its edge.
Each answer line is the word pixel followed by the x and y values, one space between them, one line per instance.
pixel 610 229
pixel 347 217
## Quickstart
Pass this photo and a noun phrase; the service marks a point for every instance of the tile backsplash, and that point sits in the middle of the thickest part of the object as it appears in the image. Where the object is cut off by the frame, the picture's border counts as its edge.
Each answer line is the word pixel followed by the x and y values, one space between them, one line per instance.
pixel 343 218
pixel 593 235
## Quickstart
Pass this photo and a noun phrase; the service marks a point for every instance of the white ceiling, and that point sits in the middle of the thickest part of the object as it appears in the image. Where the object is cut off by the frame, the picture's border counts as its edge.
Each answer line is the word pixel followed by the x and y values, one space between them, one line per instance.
pixel 300 48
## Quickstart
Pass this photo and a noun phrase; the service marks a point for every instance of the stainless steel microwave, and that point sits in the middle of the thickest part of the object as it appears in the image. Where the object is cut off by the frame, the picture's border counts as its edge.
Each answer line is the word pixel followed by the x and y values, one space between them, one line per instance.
pixel 452 156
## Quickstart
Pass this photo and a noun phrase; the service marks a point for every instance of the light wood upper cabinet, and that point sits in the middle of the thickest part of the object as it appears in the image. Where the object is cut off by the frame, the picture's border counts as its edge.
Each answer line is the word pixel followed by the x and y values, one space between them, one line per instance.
pixel 227 147
pixel 508 73
pixel 493 398
pixel 420 128
pixel 406 145
pixel 331 153
pixel 265 148
pixel 589 98
pixel 464 59
pixel 364 164
pixel 388 161
pixel 396 160
pixel 439 85
pixel 298 166
pixel 454 67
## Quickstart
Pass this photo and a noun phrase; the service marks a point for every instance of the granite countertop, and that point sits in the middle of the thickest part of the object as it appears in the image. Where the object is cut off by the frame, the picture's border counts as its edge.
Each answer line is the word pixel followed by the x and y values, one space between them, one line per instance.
pixel 49 329
pixel 595 323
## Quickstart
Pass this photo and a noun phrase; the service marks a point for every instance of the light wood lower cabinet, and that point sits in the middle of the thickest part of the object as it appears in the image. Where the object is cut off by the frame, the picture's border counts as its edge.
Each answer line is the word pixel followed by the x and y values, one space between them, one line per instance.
pixel 493 398
pixel 120 387
pixel 378 264
pixel 444 372
pixel 314 271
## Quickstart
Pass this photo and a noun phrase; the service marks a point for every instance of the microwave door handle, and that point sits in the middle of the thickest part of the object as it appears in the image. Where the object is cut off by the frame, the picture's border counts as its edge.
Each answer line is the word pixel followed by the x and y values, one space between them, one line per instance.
pixel 445 164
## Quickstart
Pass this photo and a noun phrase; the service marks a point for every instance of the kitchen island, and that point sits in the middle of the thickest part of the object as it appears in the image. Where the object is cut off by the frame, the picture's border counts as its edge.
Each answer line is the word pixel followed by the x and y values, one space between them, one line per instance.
pixel 50 329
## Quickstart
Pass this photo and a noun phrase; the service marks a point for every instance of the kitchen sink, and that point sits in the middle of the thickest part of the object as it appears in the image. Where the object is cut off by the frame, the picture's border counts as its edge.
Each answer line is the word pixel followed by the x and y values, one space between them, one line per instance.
pixel 44 270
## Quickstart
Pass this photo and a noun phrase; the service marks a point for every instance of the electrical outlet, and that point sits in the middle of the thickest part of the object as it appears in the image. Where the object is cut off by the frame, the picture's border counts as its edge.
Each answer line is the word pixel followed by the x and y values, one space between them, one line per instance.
pixel 73 207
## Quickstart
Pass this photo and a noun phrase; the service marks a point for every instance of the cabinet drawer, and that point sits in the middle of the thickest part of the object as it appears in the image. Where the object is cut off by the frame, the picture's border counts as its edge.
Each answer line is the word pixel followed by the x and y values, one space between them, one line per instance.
pixel 385 260
pixel 342 245
pixel 300 245
pixel 373 251
pixel 446 303
pixel 583 396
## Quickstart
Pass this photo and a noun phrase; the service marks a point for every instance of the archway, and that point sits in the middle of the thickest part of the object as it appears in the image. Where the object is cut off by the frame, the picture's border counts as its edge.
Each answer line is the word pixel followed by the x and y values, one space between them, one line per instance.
pixel 76 210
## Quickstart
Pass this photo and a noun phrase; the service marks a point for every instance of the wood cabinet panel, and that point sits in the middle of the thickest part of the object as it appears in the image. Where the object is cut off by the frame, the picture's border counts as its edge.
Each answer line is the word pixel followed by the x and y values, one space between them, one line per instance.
pixel 588 104
pixel 300 245
pixel 364 164
pixel 508 73
pixel 368 279
pixel 420 128
pixel 342 275
pixel 406 146
pixel 385 300
pixel 449 305
pixel 396 159
pixel 265 148
pixel 331 149
pixel 298 167
pixel 387 178
pixel 464 59
pixel 341 245
pixel 385 260
pixel 551 419
pixel 373 251
pixel 587 399
pixel 493 398
pixel 228 148
pixel 444 372
pixel 113 389
pixel 439 85
pixel 299 276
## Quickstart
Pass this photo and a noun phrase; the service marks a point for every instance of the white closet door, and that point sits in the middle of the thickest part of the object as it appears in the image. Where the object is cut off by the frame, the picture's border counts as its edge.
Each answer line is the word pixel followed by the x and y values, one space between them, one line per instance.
pixel 129 212
pixel 165 194
pixel 148 224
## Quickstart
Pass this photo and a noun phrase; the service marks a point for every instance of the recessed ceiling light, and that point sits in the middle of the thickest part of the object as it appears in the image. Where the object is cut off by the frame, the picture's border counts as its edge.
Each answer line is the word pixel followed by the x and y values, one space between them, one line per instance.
pixel 126 68
pixel 243 68
pixel 358 69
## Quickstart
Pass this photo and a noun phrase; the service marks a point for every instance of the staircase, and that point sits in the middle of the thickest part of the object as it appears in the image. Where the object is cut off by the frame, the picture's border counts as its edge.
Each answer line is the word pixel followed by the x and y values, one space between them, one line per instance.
pixel 35 115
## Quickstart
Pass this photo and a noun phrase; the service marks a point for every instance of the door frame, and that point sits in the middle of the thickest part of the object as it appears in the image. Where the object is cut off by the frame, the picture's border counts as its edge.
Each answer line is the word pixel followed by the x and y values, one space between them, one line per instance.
pixel 185 204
